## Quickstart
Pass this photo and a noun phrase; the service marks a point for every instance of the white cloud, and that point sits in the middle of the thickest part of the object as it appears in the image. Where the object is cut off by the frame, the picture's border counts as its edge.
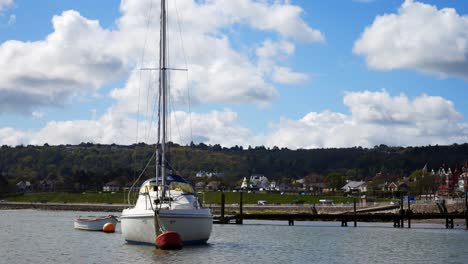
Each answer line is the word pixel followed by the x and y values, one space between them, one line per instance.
pixel 286 76
pixel 215 127
pixel 37 114
pixel 270 54
pixel 115 127
pixel 11 137
pixel 5 4
pixel 376 118
pixel 419 36
pixel 80 56
pixel 12 20
pixel 280 16
pixel 74 59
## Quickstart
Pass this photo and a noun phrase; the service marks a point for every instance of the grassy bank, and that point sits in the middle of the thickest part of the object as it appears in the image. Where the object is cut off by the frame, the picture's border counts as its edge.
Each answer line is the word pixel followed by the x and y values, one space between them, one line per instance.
pixel 98 198
pixel 206 198
pixel 253 198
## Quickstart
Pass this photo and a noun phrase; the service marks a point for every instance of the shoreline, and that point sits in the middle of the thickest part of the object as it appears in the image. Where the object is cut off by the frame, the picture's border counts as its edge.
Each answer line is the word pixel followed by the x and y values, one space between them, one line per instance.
pixel 119 207
pixel 63 206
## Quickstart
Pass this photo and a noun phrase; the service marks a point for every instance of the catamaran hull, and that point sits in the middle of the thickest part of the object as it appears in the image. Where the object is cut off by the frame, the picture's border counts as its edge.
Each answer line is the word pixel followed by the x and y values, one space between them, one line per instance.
pixel 193 228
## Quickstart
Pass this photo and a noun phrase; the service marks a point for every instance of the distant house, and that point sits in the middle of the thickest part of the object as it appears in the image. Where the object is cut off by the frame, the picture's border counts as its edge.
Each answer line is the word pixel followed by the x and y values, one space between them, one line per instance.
pixel 351 186
pixel 128 187
pixel 208 174
pixel 47 185
pixel 284 187
pixel 392 187
pixel 300 181
pixel 200 185
pixel 403 187
pixel 446 180
pixel 317 187
pixel 112 186
pixel 273 186
pixel 213 185
pixel 259 181
pixel 463 180
pixel 24 186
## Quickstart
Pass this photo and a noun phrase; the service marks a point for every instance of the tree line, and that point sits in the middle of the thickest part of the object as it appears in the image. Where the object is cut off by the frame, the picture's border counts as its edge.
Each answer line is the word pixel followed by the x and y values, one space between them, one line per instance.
pixel 89 166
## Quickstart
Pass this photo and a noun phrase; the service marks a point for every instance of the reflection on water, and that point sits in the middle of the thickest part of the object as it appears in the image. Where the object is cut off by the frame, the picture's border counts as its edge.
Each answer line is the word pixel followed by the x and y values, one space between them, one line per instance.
pixel 30 236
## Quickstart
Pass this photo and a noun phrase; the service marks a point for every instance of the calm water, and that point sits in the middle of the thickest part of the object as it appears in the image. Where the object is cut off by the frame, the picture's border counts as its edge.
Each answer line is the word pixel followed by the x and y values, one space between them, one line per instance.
pixel 29 236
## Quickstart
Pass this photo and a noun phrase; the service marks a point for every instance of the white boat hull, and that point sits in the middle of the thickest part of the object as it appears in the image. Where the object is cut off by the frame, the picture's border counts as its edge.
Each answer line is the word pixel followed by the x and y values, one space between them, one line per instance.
pixel 193 225
pixel 95 224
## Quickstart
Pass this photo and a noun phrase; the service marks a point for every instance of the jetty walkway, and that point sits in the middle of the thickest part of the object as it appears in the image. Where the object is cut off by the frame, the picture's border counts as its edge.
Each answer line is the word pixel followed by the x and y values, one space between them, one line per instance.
pixel 374 214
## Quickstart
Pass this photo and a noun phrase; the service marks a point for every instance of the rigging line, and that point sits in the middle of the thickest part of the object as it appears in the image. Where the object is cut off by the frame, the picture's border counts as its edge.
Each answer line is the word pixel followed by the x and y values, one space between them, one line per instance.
pixel 186 66
pixel 147 118
pixel 171 102
pixel 148 21
pixel 141 174
pixel 152 104
pixel 158 137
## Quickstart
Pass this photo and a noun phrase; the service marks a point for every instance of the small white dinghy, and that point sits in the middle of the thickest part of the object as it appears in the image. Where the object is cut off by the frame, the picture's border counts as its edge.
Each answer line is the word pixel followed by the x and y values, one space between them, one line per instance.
pixel 96 223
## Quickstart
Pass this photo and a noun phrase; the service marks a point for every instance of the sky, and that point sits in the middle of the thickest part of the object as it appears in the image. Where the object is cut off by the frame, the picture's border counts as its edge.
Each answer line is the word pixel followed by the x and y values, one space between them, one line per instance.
pixel 286 73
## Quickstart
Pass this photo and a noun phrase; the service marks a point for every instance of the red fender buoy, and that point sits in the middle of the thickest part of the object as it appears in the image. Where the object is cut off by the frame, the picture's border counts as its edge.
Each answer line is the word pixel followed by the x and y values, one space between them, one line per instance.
pixel 108 228
pixel 169 240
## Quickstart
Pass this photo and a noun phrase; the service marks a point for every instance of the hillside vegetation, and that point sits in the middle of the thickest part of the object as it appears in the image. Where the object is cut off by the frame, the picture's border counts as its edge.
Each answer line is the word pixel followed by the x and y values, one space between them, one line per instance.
pixel 89 166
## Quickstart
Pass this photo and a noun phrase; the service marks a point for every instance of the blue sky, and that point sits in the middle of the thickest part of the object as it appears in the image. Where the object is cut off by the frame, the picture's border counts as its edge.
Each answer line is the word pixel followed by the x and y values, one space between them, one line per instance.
pixel 297 74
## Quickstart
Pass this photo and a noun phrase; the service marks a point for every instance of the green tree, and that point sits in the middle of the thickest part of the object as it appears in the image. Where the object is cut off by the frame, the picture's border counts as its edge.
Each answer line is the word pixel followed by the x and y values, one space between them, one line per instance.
pixel 334 180
pixel 3 185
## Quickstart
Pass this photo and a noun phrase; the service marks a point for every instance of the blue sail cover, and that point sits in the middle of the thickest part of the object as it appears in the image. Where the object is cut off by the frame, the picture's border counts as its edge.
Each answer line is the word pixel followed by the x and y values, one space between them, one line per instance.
pixel 169 179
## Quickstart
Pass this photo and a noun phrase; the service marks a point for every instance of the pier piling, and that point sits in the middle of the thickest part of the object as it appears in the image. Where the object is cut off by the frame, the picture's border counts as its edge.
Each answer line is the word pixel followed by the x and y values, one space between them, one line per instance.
pixel 355 223
pixel 223 200
pixel 240 219
pixel 402 211
pixel 466 210
pixel 408 213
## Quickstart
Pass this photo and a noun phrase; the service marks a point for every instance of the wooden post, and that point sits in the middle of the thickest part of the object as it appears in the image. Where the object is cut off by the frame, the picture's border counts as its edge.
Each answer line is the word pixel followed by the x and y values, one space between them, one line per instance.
pixel 466 210
pixel 240 220
pixel 446 214
pixel 223 200
pixel 409 212
pixel 402 224
pixel 355 224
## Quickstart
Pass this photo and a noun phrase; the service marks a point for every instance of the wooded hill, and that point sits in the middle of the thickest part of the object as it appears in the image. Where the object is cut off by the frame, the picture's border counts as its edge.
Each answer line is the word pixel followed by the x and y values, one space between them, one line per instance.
pixel 89 166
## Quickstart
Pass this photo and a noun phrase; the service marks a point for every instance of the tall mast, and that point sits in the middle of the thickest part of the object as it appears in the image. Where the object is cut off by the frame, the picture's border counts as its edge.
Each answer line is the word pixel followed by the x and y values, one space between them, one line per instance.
pixel 163 90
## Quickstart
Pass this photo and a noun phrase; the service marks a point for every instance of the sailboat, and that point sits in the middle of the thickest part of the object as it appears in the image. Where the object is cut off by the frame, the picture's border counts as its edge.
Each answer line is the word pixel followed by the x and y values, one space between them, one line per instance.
pixel 167 202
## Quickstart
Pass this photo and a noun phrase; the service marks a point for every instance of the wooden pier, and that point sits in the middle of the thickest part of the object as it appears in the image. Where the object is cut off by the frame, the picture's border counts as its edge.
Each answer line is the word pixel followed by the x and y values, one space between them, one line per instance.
pixel 367 215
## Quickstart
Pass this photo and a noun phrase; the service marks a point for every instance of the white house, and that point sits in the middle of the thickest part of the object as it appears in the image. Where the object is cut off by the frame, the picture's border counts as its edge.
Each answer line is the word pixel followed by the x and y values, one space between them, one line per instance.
pixel 273 186
pixel 259 181
pixel 112 186
pixel 208 174
pixel 360 186
pixel 463 180
pixel 24 186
